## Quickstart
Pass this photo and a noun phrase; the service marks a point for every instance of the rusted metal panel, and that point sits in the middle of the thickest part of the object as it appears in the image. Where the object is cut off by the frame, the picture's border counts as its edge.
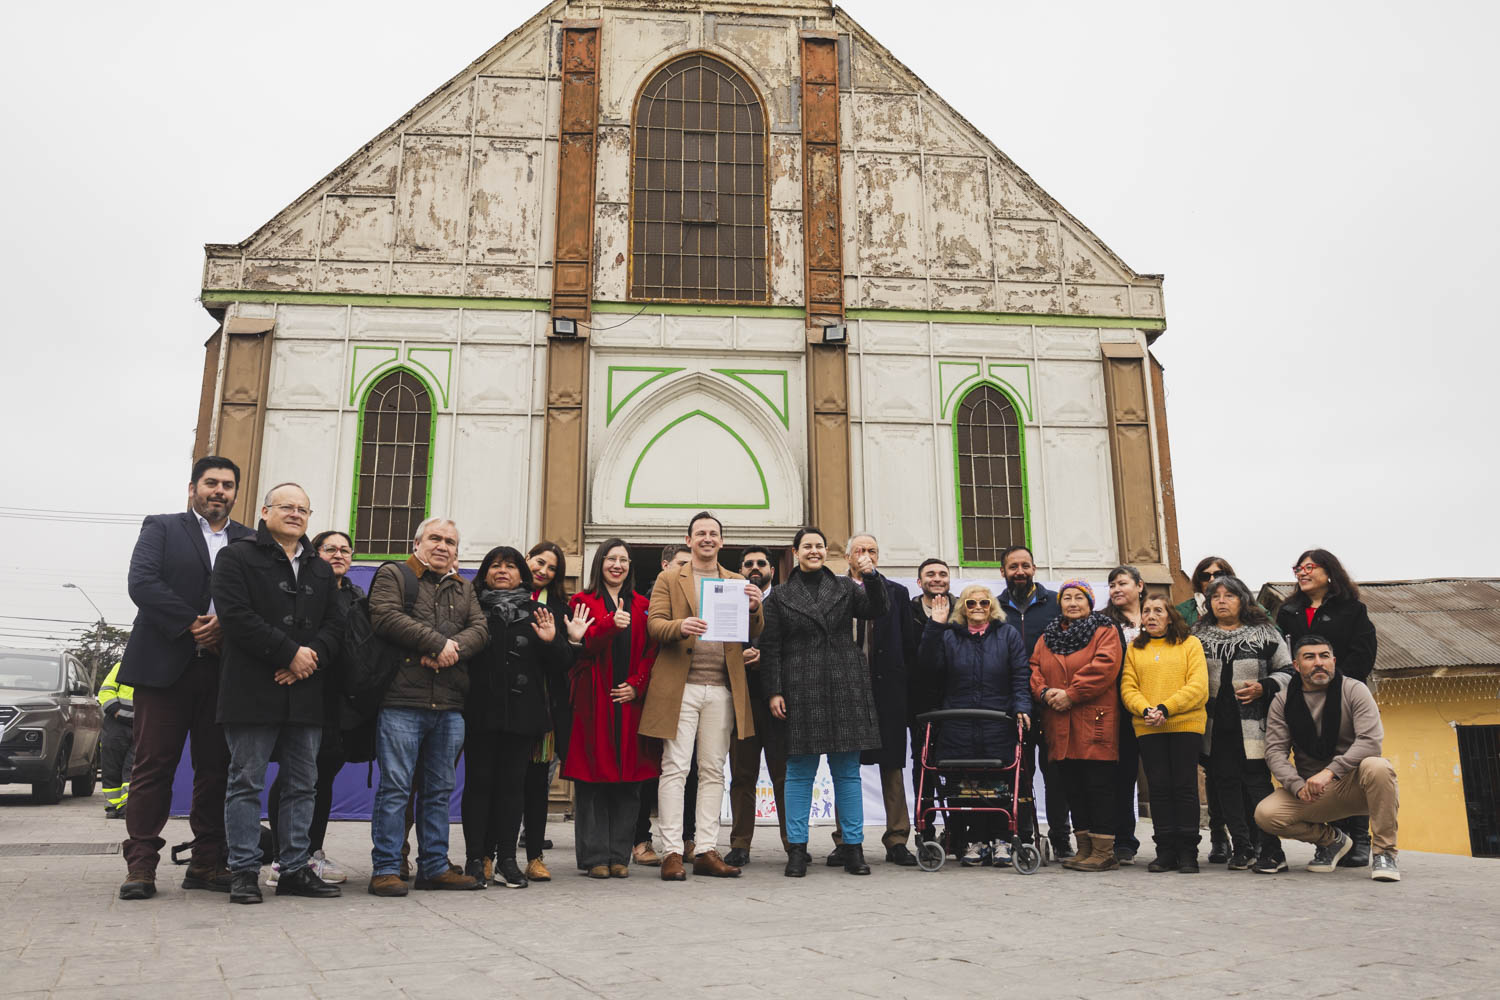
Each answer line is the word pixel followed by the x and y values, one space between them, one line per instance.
pixel 958 224
pixel 432 200
pixel 357 227
pixel 822 180
pixel 573 256
pixel 890 214
pixel 830 471
pixel 505 215
pixel 564 446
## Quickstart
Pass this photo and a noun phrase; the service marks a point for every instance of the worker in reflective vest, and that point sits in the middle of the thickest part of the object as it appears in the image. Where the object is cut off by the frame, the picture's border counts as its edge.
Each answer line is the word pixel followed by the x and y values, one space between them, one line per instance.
pixel 118 750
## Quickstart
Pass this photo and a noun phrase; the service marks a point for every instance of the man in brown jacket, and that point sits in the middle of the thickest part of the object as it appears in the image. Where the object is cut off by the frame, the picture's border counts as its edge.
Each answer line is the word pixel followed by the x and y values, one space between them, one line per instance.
pixel 698 694
pixel 1333 725
pixel 421 723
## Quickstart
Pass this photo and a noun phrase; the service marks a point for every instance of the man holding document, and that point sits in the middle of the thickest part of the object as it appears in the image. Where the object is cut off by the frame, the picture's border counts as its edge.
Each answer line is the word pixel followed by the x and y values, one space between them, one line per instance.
pixel 702 614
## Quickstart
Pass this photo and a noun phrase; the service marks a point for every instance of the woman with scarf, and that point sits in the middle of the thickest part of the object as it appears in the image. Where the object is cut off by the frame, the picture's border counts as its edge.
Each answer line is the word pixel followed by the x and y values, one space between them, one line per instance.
pixel 505 714
pixel 1075 675
pixel 605 758
pixel 1127 594
pixel 1248 663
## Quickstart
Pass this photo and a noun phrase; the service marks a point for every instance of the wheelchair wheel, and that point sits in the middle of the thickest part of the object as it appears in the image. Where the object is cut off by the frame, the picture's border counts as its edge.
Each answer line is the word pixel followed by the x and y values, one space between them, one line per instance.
pixel 1045 851
pixel 1026 858
pixel 931 855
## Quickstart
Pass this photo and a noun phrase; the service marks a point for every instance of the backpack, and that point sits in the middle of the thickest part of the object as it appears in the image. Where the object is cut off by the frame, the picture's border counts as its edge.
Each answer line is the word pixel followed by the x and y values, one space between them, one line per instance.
pixel 370 661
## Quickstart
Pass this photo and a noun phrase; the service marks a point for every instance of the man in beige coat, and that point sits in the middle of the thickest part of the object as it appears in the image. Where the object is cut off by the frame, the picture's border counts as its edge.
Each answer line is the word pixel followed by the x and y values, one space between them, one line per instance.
pixel 698 694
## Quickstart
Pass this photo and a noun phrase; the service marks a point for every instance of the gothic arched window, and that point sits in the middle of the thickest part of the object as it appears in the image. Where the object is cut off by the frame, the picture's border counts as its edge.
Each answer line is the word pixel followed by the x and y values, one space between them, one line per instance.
pixel 393 465
pixel 990 475
pixel 698 206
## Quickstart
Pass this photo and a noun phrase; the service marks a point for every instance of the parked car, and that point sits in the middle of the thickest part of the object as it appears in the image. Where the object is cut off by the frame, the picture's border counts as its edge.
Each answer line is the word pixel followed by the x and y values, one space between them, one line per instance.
pixel 49 724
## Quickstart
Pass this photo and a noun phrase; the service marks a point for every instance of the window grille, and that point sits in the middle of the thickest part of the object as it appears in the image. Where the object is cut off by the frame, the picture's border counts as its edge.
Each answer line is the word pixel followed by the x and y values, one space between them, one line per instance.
pixel 395 451
pixel 1479 760
pixel 991 487
pixel 698 212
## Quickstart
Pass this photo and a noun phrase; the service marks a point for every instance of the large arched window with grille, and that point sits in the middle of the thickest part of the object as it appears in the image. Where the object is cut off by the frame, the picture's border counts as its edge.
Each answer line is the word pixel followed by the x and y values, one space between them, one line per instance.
pixel 990 471
pixel 393 465
pixel 698 196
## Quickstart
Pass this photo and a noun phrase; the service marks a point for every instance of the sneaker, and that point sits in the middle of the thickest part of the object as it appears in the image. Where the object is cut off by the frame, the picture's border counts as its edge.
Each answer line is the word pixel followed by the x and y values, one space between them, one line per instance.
pixel 973 856
pixel 273 879
pixel 1269 865
pixel 1125 855
pixel 1327 857
pixel 508 874
pixel 326 869
pixel 1383 868
pixel 1241 859
pixel 1002 855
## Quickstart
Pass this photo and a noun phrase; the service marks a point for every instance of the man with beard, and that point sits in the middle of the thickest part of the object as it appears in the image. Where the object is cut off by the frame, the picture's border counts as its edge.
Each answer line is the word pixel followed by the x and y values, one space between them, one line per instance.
pixel 172 661
pixel 1332 726
pixel 759 568
pixel 1030 607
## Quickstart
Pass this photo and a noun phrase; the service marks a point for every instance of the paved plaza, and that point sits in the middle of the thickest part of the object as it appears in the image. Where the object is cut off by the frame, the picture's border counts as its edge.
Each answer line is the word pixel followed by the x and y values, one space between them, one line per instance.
pixel 897 933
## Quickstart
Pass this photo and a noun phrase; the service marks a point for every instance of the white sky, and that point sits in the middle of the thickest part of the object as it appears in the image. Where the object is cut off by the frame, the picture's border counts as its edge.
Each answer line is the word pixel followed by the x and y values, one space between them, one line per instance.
pixel 1316 181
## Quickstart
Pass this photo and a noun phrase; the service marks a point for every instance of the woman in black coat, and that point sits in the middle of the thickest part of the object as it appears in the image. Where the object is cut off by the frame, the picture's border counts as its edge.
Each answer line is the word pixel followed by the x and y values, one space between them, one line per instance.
pixel 505 713
pixel 819 683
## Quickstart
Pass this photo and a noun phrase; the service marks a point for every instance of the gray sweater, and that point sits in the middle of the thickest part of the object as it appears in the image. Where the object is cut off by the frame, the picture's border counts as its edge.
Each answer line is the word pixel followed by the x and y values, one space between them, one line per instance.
pixel 1360 735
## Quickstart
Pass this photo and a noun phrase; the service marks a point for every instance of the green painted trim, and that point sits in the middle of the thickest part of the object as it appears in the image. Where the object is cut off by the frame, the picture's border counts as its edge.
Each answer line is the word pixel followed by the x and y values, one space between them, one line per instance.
pixel 976 371
pixel 387 557
pixel 765 503
pixel 447 378
pixel 683 309
pixel 784 413
pixel 1007 319
pixel 218 295
pixel 359 451
pixel 611 408
pixel 958 501
pixel 356 388
pixel 1024 368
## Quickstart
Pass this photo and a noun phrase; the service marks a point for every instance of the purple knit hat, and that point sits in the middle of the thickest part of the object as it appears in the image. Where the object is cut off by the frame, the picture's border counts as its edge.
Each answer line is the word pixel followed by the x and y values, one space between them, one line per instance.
pixel 1081 585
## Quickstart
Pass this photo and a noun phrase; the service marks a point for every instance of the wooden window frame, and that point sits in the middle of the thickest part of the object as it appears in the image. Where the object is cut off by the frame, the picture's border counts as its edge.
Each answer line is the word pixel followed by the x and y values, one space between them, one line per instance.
pixel 361 553
pixel 958 486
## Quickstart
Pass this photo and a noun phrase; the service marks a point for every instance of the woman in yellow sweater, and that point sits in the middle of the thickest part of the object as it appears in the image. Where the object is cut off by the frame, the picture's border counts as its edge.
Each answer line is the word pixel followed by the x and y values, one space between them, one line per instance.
pixel 1164 685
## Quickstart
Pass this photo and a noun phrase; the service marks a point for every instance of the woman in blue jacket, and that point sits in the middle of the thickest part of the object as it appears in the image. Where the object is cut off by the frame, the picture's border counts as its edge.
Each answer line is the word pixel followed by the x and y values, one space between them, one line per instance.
pixel 978 661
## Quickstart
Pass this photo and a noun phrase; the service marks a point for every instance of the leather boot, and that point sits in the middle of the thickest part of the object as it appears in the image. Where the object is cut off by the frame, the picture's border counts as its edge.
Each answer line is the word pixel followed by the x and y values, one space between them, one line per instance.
pixel 1166 854
pixel 1101 857
pixel 1085 849
pixel 1218 852
pixel 854 859
pixel 245 886
pixel 796 861
pixel 1358 828
pixel 1187 853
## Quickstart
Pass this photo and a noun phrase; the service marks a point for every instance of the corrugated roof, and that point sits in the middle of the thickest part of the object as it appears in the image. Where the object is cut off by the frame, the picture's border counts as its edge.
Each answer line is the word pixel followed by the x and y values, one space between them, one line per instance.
pixel 1425 624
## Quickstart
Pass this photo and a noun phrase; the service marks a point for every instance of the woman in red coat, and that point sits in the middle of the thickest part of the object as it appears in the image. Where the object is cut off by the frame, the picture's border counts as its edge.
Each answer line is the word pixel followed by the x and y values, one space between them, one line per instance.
pixel 1075 674
pixel 608 681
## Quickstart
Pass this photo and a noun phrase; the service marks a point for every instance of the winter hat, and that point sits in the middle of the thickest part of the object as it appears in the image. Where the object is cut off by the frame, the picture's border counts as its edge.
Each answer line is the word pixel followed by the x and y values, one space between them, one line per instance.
pixel 1081 585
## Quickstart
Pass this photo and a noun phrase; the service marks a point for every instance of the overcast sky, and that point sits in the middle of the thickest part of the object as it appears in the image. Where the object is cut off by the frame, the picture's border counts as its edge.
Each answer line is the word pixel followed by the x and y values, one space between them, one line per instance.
pixel 1315 180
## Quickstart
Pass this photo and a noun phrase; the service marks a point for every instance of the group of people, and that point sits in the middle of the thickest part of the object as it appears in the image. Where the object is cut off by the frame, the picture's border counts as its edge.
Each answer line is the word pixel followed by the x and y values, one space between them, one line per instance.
pixel 246 640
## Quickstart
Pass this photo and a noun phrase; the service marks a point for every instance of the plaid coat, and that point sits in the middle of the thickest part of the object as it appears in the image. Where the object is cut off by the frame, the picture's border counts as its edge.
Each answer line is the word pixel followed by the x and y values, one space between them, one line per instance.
pixel 808 656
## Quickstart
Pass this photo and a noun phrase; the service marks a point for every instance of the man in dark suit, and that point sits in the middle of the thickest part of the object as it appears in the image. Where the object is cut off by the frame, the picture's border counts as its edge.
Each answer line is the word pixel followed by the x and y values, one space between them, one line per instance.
pixel 172 660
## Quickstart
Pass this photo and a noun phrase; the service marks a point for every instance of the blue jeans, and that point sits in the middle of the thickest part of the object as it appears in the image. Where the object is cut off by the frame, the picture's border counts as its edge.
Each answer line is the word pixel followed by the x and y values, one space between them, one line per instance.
pixel 848 795
pixel 250 749
pixel 405 739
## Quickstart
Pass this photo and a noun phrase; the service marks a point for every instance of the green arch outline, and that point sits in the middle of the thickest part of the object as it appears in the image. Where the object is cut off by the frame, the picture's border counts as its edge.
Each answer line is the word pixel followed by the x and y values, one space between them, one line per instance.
pixel 359 450
pixel 958 502
pixel 611 408
pixel 784 414
pixel 765 491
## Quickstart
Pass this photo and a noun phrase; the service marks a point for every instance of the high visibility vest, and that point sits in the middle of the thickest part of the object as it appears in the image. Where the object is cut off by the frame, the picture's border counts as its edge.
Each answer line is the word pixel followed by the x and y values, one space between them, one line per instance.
pixel 113 692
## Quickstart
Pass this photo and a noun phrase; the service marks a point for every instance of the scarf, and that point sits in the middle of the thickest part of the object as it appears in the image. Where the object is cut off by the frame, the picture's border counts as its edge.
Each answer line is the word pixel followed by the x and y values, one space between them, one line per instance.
pixel 1070 639
pixel 1306 739
pixel 508 607
pixel 619 652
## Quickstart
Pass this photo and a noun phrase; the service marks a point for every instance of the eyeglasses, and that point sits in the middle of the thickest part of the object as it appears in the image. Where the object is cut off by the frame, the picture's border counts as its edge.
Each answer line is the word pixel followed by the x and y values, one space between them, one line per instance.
pixel 291 508
pixel 1306 567
pixel 972 604
pixel 337 550
pixel 755 562
pixel 1208 575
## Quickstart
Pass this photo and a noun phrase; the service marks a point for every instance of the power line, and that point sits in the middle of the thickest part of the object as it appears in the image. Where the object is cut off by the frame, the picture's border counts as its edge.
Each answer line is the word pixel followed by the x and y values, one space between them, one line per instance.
pixel 64 621
pixel 55 511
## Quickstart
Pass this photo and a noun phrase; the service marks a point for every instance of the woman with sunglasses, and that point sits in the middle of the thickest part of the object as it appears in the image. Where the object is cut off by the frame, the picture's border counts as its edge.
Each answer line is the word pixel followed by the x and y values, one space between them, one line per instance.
pixel 977 661
pixel 1327 603
pixel 1075 674
pixel 1208 567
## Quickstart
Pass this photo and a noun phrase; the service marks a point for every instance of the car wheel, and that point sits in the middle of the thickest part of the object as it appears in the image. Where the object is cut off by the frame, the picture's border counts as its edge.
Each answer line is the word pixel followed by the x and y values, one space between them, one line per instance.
pixel 51 792
pixel 84 784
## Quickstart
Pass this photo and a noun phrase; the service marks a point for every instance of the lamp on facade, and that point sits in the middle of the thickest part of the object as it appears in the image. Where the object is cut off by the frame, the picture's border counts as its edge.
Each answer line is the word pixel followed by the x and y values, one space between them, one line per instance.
pixel 564 327
pixel 836 333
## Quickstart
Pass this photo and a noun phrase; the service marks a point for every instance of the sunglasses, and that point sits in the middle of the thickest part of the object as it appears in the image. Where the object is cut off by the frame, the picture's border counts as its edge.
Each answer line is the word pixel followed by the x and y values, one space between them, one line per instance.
pixel 1208 575
pixel 755 562
pixel 972 603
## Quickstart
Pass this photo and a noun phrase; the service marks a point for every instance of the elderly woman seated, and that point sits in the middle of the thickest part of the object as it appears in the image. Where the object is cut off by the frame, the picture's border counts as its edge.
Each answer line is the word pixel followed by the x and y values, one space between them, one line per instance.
pixel 977 661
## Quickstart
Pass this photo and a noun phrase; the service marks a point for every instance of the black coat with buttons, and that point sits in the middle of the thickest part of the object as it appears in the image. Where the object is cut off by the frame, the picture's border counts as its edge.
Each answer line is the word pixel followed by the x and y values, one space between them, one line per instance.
pixel 267 613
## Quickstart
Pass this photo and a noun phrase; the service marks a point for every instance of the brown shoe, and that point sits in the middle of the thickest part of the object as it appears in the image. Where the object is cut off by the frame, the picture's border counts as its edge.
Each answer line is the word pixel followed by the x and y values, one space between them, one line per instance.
pixel 536 871
pixel 619 871
pixel 489 870
pixel 672 870
pixel 386 885
pixel 644 855
pixel 1101 858
pixel 1085 850
pixel 453 879
pixel 599 871
pixel 709 863
pixel 140 883
pixel 214 879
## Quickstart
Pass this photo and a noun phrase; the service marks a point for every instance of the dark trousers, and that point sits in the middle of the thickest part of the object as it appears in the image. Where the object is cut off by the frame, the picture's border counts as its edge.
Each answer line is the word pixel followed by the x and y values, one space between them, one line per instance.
pixel 1090 786
pixel 116 754
pixel 330 763
pixel 1125 779
pixel 1056 791
pixel 1171 761
pixel 689 795
pixel 495 793
pixel 164 718
pixel 744 767
pixel 1240 784
pixel 1215 815
pixel 604 817
pixel 534 817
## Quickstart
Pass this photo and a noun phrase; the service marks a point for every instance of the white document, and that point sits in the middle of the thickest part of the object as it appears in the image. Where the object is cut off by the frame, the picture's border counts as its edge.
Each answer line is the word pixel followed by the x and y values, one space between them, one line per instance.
pixel 726 607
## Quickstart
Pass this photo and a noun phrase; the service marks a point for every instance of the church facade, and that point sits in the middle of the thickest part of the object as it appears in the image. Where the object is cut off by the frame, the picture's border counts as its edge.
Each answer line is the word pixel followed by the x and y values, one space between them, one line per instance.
pixel 644 257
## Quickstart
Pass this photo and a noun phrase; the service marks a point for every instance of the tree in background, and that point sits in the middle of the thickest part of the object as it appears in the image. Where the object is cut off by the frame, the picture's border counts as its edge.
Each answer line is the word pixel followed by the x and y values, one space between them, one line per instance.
pixel 98 648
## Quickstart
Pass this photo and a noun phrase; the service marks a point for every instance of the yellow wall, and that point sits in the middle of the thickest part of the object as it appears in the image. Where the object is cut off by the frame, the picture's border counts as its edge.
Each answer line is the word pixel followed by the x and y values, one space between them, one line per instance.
pixel 1421 743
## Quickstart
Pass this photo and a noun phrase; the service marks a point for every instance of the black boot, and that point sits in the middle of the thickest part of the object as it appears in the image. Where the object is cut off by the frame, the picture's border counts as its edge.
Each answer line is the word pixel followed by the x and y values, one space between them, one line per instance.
pixel 1166 854
pixel 796 861
pixel 244 886
pixel 1358 828
pixel 1062 843
pixel 854 859
pixel 1218 852
pixel 1187 853
pixel 838 856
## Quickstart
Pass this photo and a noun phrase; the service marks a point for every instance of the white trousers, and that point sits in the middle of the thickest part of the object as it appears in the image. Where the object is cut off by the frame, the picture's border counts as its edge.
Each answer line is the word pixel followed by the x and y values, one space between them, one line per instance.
pixel 707 720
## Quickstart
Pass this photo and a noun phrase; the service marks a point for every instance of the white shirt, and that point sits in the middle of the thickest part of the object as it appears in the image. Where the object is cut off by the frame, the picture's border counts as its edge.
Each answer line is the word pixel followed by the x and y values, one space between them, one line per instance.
pixel 215 540
pixel 296 563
